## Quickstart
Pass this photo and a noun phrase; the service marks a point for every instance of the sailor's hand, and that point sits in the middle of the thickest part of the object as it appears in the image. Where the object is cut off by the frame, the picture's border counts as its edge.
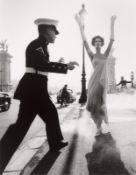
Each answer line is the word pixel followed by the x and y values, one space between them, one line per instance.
pixel 61 60
pixel 71 65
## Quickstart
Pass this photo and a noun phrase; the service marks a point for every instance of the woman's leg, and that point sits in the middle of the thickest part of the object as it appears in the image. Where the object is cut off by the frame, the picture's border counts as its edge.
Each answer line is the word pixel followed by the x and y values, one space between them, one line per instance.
pixel 98 122
pixel 104 113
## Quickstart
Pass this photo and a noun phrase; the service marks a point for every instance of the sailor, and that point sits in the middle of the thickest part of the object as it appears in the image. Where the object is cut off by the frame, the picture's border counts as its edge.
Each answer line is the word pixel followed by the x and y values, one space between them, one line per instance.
pixel 32 91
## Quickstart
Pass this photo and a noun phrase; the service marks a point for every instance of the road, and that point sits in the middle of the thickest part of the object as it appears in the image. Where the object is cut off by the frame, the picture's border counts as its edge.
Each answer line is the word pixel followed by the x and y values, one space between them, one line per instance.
pixel 79 130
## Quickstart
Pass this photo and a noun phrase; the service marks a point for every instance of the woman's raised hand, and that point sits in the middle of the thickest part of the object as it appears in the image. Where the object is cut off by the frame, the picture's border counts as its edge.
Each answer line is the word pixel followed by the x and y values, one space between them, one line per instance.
pixel 77 18
pixel 113 18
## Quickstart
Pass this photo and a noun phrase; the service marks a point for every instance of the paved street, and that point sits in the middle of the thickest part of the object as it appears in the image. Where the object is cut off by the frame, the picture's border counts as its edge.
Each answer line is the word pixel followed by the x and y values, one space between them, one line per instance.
pixel 9 117
pixel 111 153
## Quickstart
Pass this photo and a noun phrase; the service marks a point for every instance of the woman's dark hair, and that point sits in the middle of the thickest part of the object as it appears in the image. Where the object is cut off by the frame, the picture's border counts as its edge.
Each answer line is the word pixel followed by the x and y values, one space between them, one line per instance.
pixel 99 37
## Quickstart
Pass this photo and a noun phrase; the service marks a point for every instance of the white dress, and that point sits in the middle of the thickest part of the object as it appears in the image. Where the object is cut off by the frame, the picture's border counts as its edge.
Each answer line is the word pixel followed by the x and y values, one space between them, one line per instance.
pixel 97 88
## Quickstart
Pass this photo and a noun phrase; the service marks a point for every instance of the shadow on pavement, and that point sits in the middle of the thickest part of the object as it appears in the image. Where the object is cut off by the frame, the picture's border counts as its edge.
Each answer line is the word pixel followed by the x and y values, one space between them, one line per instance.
pixel 49 159
pixel 70 157
pixel 105 158
pixel 46 163
pixel 69 162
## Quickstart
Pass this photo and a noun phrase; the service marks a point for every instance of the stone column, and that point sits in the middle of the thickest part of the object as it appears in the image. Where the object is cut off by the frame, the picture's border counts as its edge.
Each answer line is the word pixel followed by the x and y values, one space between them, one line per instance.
pixel 5 74
pixel 111 73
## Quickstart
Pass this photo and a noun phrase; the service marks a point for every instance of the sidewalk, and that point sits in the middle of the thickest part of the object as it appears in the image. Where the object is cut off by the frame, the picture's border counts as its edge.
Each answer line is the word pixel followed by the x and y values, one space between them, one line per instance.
pixel 85 154
pixel 29 148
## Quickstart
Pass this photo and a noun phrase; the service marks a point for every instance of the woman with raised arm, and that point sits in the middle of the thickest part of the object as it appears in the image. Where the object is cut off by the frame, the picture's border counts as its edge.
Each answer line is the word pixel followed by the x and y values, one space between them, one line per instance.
pixel 96 97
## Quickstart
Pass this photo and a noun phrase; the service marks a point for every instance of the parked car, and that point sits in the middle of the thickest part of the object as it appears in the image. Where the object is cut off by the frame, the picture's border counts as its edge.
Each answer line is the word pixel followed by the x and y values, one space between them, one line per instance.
pixel 5 101
pixel 71 98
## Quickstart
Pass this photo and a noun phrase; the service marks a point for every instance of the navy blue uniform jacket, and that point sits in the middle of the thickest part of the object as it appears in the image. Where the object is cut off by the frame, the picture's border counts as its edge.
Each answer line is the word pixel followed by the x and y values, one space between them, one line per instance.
pixel 33 86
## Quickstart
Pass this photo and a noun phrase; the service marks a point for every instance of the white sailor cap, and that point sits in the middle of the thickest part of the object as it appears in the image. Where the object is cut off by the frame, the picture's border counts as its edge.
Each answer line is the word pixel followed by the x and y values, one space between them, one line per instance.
pixel 47 22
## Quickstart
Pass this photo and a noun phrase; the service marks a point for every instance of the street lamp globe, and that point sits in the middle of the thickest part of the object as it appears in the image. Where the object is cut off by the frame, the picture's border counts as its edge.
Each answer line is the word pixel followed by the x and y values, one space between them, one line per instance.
pixel 82 14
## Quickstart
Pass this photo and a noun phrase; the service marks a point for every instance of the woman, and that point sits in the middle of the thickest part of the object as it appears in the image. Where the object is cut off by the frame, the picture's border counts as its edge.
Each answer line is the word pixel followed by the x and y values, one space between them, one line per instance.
pixel 96 97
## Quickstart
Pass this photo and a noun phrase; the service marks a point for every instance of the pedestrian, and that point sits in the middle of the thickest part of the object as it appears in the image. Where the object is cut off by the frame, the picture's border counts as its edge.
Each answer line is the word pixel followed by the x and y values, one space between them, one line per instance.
pixel 32 92
pixel 64 95
pixel 96 95
pixel 123 83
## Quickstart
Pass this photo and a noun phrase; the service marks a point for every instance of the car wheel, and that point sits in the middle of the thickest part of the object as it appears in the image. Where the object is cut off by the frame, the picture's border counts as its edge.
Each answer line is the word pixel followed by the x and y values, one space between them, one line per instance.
pixel 6 106
pixel 0 109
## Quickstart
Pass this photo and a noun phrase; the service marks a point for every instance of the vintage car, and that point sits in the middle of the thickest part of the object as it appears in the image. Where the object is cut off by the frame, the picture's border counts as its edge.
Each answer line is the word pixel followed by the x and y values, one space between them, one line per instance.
pixel 70 99
pixel 5 101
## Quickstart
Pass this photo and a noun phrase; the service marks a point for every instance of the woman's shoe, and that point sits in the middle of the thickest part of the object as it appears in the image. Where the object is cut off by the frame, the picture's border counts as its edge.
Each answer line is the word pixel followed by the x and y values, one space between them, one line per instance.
pixel 99 132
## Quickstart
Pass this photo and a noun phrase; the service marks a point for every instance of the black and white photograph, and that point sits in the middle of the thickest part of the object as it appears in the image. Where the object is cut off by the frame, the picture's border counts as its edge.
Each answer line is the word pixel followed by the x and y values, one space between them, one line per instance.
pixel 67 87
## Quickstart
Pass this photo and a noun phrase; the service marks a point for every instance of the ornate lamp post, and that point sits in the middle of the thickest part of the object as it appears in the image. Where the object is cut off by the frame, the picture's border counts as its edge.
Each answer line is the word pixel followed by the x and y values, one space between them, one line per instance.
pixel 83 96
pixel 132 79
pixel 1 81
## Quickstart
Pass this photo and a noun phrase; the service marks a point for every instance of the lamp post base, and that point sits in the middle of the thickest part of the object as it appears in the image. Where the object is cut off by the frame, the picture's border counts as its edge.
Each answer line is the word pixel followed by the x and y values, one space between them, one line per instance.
pixel 83 98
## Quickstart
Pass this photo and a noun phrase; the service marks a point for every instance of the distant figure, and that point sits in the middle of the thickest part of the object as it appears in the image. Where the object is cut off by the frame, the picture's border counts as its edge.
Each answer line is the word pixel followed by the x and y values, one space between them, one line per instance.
pixel 97 87
pixel 64 95
pixel 32 91
pixel 123 83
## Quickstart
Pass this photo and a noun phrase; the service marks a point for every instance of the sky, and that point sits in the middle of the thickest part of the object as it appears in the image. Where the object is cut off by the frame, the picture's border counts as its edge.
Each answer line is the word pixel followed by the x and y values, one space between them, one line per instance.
pixel 17 27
